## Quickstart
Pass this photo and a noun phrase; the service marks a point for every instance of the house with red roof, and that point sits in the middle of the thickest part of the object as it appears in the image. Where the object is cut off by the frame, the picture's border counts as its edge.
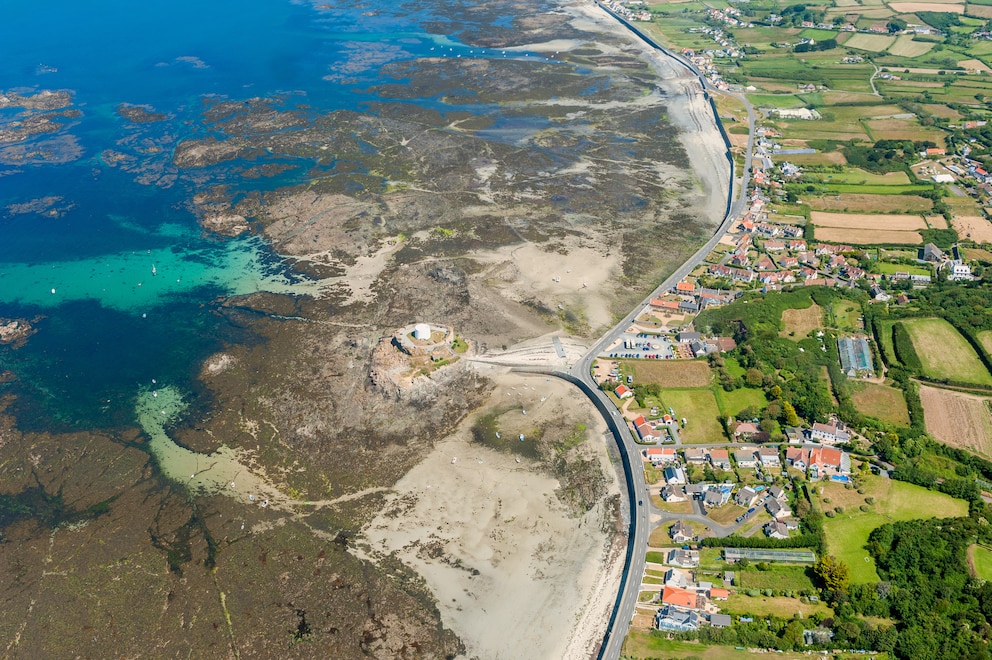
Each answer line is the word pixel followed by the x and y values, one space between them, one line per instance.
pixel 683 598
pixel 623 392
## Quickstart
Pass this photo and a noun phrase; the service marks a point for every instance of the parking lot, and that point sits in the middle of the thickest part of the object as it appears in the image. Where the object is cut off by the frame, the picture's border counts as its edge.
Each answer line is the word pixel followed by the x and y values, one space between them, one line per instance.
pixel 642 346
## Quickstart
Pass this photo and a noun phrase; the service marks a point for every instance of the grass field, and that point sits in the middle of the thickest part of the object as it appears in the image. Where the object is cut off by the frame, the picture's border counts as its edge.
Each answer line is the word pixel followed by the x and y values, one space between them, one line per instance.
pixel 886 403
pixel 731 403
pixel 797 323
pixel 683 373
pixel 980 561
pixel 985 337
pixel 889 268
pixel 780 578
pixel 874 43
pixel 773 606
pixel 639 644
pixel 845 315
pixel 958 419
pixel 847 533
pixel 699 407
pixel 906 46
pixel 869 203
pixel 944 353
pixel 859 176
pixel 885 339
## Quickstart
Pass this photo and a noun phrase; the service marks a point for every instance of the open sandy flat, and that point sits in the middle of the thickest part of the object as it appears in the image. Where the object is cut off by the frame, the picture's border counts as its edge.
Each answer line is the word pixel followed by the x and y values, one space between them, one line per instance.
pixel 514 575
pixel 867 221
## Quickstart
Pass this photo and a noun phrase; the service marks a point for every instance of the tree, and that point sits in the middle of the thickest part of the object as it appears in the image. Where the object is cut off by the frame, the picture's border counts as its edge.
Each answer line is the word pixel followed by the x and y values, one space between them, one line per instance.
pixel 789 414
pixel 833 573
pixel 754 377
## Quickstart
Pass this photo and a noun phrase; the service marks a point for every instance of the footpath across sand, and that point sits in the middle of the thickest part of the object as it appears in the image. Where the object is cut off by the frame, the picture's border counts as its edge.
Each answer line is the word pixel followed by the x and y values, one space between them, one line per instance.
pixel 515 576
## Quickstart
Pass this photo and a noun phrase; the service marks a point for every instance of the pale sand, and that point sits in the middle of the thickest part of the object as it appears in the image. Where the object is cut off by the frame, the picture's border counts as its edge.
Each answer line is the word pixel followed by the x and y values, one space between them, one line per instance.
pixel 546 582
pixel 688 109
pixel 583 279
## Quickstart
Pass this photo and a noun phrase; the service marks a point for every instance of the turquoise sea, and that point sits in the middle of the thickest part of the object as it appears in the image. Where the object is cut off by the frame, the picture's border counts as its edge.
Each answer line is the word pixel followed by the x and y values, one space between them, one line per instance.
pixel 109 262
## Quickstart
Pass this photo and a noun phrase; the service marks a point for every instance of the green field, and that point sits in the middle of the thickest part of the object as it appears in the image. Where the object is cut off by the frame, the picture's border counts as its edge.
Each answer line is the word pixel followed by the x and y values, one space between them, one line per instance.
pixel 981 561
pixel 945 354
pixel 731 403
pixel 847 532
pixel 780 606
pixel 653 645
pixel 885 339
pixel 845 314
pixel 780 578
pixel 881 401
pixel 776 101
pixel 889 268
pixel 859 176
pixel 699 407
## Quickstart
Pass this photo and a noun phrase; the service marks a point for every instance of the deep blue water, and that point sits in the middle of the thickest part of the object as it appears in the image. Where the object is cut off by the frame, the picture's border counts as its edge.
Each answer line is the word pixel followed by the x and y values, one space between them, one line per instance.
pixel 84 265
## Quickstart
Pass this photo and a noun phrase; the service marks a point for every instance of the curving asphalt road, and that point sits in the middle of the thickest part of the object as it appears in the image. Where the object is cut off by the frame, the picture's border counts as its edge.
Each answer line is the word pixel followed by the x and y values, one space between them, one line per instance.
pixel 580 374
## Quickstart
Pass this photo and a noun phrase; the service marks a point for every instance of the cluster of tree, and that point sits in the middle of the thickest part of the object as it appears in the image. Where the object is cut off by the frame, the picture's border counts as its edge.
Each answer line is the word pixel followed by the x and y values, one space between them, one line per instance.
pixel 885 155
pixel 914 473
pixel 941 20
pixel 902 343
pixel 795 368
pixel 943 611
pixel 826 44
pixel 796 15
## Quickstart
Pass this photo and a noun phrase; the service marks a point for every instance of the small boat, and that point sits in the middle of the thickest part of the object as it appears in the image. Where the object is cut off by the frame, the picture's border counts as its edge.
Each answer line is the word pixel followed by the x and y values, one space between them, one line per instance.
pixel 454 460
pixel 154 270
pixel 265 503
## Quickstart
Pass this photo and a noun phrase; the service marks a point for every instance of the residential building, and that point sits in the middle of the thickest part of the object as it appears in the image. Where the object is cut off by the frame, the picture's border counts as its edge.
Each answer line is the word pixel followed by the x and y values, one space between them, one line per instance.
pixel 675 619
pixel 778 509
pixel 832 433
pixel 683 558
pixel 776 530
pixel 720 459
pixel 695 455
pixel 623 392
pixel 720 620
pixel 745 497
pixel 745 430
pixel 745 458
pixel 769 457
pixel 677 577
pixel 682 598
pixel 682 532
pixel 661 455
pixel 674 476
pixel 777 492
pixel 673 494
pixel 717 593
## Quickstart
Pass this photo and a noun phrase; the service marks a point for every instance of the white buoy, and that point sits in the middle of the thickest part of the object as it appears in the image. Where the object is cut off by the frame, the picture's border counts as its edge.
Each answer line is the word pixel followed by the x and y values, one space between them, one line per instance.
pixel 53 292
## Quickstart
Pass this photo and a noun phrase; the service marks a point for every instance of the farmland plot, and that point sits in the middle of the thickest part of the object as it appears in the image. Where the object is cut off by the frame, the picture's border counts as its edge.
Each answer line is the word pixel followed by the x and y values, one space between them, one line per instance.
pixel 944 353
pixel 958 419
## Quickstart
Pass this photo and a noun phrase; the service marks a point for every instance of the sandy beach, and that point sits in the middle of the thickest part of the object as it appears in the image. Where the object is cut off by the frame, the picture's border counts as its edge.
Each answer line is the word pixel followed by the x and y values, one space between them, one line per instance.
pixel 514 575
pixel 688 109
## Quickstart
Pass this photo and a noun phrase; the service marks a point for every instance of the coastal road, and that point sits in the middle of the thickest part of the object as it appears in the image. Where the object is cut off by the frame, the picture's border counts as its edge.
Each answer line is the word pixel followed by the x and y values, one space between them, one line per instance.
pixel 581 374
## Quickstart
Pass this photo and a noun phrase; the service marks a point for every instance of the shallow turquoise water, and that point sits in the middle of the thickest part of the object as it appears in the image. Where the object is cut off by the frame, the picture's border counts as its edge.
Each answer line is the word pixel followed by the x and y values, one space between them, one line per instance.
pixel 83 267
